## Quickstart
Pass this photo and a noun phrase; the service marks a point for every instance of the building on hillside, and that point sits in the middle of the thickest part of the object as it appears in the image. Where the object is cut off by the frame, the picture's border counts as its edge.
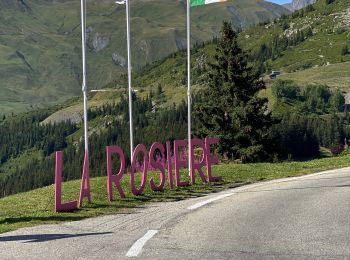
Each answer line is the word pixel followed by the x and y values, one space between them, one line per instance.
pixel 274 74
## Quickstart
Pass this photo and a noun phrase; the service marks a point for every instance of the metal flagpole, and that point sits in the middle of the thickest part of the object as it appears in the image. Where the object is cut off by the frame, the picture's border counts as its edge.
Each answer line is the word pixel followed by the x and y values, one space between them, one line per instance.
pixel 85 179
pixel 129 77
pixel 189 101
pixel 84 86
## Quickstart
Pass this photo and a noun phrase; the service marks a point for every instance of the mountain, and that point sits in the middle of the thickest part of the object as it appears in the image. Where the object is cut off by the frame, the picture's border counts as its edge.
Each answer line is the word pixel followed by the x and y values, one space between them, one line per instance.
pixel 40 46
pixel 298 4
pixel 305 46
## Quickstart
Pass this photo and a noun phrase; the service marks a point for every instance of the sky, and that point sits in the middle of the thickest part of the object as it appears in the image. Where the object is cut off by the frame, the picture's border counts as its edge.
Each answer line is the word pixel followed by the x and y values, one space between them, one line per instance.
pixel 280 1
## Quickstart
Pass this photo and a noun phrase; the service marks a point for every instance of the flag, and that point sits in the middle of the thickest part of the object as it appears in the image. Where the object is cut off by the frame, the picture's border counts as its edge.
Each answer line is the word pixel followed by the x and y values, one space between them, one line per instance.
pixel 205 2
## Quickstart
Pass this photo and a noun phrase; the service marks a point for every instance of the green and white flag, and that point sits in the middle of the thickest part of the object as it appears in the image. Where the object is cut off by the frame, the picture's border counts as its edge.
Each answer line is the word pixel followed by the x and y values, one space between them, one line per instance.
pixel 205 2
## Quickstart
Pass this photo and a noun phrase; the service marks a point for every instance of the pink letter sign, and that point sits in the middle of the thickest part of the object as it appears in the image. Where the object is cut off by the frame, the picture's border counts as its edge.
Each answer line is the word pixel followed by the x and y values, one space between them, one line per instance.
pixel 85 181
pixel 198 165
pixel 170 170
pixel 116 179
pixel 211 159
pixel 179 162
pixel 155 159
pixel 139 149
pixel 156 164
pixel 59 207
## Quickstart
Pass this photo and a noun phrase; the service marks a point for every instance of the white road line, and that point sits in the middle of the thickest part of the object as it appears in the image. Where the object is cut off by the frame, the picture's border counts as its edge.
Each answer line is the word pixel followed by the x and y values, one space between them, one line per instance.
pixel 136 248
pixel 219 197
pixel 205 202
pixel 251 186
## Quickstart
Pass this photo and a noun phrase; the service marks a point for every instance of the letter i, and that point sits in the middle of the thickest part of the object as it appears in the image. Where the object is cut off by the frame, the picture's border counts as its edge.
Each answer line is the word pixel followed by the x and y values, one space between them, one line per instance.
pixel 170 171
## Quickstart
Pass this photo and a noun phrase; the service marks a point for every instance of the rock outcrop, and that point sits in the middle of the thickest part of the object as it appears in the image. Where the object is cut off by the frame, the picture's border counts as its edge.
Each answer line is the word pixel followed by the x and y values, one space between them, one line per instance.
pixel 95 41
pixel 299 4
pixel 119 60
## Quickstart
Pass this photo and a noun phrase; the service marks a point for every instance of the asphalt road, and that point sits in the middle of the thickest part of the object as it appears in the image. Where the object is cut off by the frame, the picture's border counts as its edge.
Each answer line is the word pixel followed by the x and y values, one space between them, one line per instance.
pixel 297 218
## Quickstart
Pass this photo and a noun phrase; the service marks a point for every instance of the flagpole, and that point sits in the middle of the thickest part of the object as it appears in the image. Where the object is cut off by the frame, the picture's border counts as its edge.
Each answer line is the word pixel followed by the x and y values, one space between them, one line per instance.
pixel 189 84
pixel 84 85
pixel 129 78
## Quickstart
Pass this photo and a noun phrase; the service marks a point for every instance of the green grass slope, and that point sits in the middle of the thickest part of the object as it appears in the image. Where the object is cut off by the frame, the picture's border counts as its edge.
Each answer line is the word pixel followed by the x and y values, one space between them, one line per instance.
pixel 330 26
pixel 336 76
pixel 40 54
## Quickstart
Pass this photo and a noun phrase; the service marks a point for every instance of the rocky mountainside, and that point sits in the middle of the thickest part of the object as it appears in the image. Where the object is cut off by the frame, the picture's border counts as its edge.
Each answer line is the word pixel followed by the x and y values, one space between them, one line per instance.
pixel 40 46
pixel 298 4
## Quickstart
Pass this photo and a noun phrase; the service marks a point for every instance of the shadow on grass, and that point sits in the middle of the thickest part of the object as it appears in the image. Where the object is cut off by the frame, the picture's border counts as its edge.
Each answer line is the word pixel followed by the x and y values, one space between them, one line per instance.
pixel 46 237
pixel 15 220
pixel 187 192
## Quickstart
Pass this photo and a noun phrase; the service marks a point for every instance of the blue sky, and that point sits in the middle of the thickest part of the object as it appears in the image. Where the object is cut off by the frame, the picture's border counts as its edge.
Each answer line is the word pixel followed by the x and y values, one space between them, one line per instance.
pixel 280 1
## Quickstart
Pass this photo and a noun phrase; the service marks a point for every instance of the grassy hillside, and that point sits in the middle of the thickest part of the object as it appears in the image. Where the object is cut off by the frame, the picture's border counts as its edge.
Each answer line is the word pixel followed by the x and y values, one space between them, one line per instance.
pixel 325 29
pixel 169 73
pixel 36 207
pixel 336 76
pixel 40 42
pixel 308 61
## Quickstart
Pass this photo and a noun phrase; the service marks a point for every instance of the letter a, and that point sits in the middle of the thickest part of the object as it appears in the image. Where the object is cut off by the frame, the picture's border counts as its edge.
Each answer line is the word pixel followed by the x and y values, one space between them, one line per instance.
pixel 85 181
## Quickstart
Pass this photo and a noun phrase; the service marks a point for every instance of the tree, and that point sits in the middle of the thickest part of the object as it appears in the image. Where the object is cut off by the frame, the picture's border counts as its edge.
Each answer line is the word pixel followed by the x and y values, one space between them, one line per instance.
pixel 337 102
pixel 230 107
pixel 286 89
pixel 345 50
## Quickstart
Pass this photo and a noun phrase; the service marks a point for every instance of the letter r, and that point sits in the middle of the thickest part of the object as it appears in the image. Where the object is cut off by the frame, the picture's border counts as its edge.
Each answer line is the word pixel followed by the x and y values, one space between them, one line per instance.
pixel 116 179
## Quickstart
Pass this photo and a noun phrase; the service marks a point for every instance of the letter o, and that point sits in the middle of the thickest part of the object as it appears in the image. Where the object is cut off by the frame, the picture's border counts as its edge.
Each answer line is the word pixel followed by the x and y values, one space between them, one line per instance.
pixel 139 149
pixel 157 165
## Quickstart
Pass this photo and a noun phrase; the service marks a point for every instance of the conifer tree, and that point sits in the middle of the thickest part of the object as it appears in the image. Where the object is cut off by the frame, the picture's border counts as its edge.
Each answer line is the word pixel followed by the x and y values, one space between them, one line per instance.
pixel 230 108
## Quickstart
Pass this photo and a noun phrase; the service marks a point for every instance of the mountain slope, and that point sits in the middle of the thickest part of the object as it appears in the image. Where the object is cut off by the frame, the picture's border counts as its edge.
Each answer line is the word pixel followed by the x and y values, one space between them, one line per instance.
pixel 316 58
pixel 298 4
pixel 40 53
pixel 309 38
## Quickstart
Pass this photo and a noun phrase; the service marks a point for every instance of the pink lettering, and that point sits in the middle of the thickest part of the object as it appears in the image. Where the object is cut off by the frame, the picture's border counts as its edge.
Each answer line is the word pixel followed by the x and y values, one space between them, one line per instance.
pixel 155 159
pixel 85 182
pixel 116 179
pixel 59 206
pixel 179 162
pixel 197 165
pixel 211 159
pixel 170 170
pixel 157 165
pixel 139 149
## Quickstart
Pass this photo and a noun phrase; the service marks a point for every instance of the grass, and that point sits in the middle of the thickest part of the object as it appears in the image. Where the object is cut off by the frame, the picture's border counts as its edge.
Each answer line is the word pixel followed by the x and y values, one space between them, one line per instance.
pixel 336 76
pixel 330 35
pixel 36 207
